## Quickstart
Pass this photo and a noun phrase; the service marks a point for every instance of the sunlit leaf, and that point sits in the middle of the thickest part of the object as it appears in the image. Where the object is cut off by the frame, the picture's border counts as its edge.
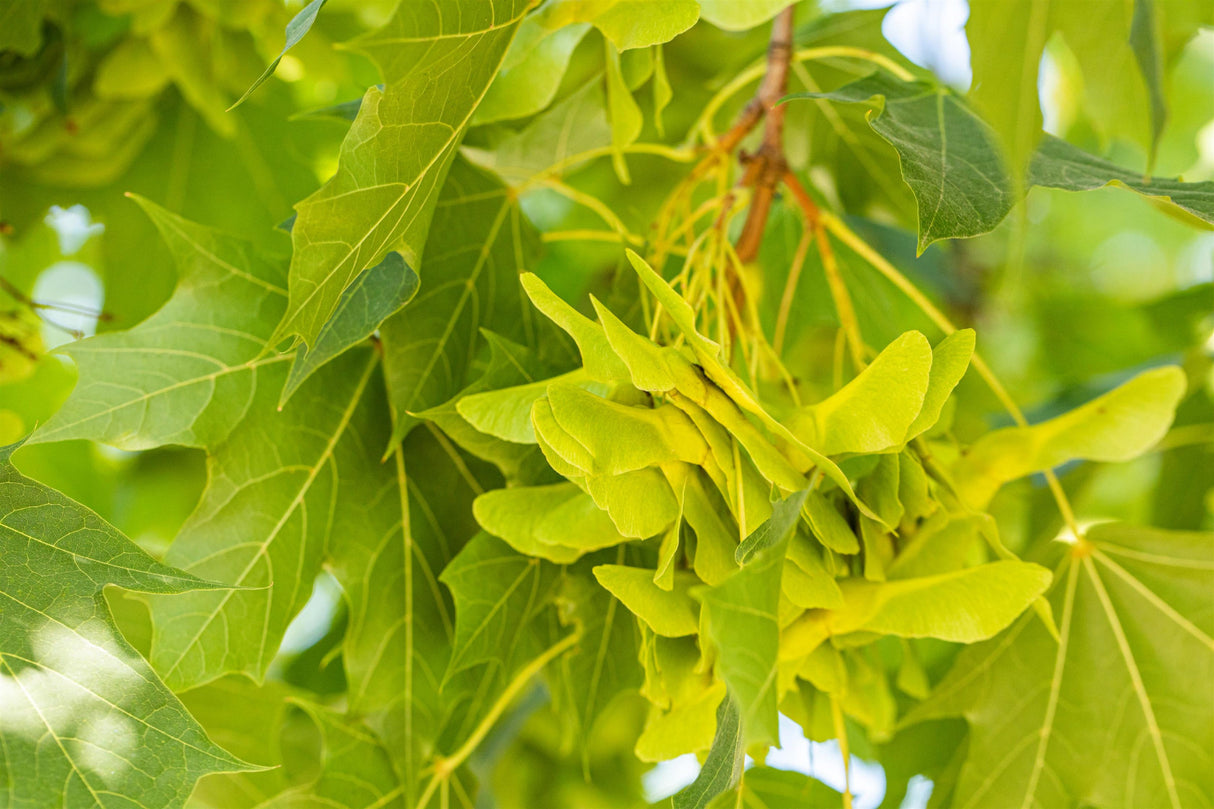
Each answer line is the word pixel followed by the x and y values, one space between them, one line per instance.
pixel 265 520
pixel 187 374
pixel 398 151
pixel 1117 426
pixel 81 707
pixel 627 23
pixel 532 71
pixel 670 614
pixel 559 522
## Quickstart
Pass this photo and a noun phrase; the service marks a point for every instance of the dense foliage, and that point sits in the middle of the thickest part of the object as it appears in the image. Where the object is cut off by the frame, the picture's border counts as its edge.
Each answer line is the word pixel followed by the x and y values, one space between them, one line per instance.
pixel 489 398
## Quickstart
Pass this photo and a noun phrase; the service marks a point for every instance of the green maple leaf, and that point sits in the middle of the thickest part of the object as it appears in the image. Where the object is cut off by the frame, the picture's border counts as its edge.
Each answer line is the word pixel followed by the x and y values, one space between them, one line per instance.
pixel 276 491
pixel 497 593
pixel 1109 714
pixel 186 374
pixel 603 665
pixel 398 641
pixel 437 64
pixel 85 722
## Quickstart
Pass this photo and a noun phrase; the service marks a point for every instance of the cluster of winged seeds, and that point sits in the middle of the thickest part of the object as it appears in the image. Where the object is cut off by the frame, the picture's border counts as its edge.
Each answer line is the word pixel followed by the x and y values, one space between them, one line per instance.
pixel 803 534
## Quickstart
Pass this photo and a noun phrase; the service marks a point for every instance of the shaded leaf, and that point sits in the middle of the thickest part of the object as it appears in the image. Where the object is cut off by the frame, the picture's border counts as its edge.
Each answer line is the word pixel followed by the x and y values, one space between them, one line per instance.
pixel 481 243
pixel 371 299
pixel 497 593
pixel 603 665
pixel 742 623
pixel 950 158
pixel 355 769
pixel 781 789
pixel 1058 164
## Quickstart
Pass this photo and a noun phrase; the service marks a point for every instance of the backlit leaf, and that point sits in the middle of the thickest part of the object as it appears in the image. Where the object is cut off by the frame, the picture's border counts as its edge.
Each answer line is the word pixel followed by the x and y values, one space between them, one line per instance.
pixel 1134 613
pixel 626 23
pixel 497 593
pixel 265 520
pixel 670 614
pixel 875 411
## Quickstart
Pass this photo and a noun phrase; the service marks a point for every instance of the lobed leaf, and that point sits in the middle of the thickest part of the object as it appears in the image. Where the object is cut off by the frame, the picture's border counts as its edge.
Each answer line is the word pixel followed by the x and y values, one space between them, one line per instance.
pixel 187 374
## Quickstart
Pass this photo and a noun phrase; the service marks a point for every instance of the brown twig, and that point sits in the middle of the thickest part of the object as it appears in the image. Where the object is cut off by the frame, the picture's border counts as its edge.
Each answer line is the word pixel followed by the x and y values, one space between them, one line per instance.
pixel 801 197
pixel 770 155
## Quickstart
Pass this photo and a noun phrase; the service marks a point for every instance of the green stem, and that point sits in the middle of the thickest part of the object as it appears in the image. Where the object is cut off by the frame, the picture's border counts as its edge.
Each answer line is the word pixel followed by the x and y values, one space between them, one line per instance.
pixel 444 767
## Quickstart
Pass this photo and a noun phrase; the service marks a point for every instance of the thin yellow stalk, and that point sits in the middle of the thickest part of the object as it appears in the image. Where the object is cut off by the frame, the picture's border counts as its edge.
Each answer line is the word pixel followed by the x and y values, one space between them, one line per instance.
pixel 790 288
pixel 445 767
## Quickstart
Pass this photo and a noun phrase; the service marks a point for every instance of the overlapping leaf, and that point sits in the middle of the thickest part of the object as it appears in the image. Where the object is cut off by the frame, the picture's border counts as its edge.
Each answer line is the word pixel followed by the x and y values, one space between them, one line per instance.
pixel 956 168
pixel 481 243
pixel 266 519
pixel 437 62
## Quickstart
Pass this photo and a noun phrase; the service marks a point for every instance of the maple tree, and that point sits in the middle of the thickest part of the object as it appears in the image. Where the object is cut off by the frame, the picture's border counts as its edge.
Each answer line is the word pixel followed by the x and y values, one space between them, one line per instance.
pixel 492 398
